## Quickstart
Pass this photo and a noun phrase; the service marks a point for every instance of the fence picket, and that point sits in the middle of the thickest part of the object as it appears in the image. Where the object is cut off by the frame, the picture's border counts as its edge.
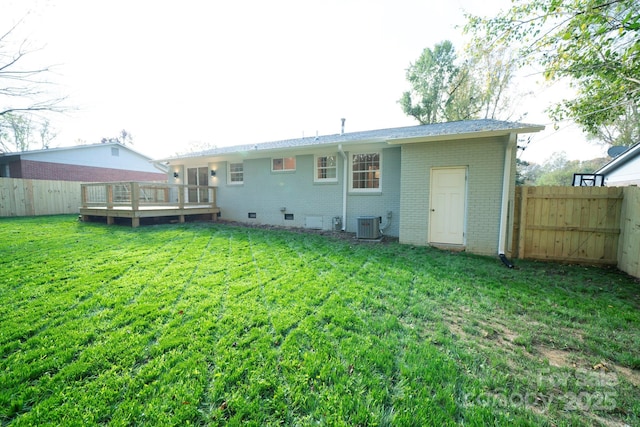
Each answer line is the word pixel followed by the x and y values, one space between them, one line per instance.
pixel 28 197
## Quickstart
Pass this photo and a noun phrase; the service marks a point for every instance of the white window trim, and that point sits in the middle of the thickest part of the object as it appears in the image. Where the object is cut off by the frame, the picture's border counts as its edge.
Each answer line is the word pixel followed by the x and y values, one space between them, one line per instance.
pixel 364 190
pixel 295 160
pixel 315 168
pixel 229 182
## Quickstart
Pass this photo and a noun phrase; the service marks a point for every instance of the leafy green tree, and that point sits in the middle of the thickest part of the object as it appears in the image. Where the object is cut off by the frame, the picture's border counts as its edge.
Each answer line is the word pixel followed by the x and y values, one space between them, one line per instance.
pixel 432 79
pixel 557 170
pixel 595 43
pixel 623 130
pixel 493 69
pixel 46 133
pixel 443 90
pixel 527 173
pixel 18 132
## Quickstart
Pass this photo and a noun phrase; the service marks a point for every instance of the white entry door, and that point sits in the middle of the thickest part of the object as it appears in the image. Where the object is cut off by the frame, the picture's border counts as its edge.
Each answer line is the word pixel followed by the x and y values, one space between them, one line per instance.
pixel 448 205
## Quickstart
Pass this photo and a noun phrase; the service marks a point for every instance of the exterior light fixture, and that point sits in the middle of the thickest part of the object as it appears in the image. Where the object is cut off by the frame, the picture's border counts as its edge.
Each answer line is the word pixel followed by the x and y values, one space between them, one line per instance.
pixel 213 173
pixel 175 174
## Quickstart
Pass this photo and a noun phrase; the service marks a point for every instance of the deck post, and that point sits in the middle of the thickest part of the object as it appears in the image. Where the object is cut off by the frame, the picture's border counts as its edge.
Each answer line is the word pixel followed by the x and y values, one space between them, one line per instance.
pixel 135 196
pixel 109 189
pixel 181 191
pixel 84 192
pixel 135 222
pixel 109 220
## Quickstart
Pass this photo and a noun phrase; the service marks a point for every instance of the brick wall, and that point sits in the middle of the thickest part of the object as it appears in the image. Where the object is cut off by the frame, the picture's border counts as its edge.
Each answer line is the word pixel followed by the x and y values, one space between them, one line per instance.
pixel 265 193
pixel 484 159
pixel 62 172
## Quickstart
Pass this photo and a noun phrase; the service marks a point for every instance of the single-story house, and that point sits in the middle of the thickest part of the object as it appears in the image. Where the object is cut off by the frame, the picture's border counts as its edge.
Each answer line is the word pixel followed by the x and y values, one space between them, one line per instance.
pixel 624 169
pixel 106 162
pixel 447 184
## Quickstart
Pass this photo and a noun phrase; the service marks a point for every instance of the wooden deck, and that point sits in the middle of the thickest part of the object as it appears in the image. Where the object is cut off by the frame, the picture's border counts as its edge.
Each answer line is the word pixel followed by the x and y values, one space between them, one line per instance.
pixel 136 200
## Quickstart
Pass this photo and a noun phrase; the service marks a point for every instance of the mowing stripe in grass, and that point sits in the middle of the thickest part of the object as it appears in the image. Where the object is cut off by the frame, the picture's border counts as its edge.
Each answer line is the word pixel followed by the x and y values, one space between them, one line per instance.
pixel 210 324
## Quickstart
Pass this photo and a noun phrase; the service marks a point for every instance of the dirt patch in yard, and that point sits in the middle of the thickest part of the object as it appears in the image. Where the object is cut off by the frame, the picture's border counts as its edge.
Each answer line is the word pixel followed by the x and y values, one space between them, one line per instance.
pixel 558 358
pixel 632 375
pixel 606 369
pixel 489 334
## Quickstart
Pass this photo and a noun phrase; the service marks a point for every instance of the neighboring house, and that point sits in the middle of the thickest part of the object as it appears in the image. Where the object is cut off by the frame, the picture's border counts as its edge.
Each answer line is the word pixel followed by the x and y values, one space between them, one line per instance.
pixel 86 163
pixel 623 169
pixel 449 184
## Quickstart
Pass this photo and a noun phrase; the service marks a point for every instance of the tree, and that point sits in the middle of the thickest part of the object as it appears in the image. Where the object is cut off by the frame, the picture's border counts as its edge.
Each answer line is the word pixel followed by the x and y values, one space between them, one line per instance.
pixel 527 173
pixel 18 131
pixel 443 90
pixel 196 147
pixel 623 130
pixel 23 94
pixel 557 170
pixel 124 138
pixel 595 43
pixel 46 133
pixel 494 69
pixel 432 80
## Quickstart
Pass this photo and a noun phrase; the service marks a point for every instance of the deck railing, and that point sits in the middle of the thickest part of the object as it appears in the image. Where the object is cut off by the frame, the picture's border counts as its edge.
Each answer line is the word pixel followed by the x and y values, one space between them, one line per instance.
pixel 134 195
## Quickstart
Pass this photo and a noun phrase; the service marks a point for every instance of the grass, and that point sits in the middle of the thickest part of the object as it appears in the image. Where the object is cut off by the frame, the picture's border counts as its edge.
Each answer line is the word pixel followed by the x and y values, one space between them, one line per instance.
pixel 208 324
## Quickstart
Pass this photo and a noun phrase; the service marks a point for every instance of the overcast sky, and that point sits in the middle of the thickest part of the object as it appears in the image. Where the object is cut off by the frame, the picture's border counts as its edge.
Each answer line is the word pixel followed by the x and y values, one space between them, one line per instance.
pixel 174 73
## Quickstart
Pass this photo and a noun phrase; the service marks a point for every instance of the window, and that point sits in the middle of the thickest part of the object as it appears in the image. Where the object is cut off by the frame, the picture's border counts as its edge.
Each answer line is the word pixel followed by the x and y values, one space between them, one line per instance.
pixel 283 164
pixel 198 177
pixel 115 151
pixel 326 169
pixel 236 173
pixel 365 172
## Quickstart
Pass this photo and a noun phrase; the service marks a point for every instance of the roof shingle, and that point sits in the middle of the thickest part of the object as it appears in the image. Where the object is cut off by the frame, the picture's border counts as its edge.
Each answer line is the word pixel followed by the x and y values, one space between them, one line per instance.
pixel 379 135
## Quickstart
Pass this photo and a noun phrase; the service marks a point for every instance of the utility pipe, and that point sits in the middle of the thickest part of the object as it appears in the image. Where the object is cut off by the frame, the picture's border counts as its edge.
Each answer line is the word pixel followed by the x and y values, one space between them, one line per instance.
pixel 345 170
pixel 504 210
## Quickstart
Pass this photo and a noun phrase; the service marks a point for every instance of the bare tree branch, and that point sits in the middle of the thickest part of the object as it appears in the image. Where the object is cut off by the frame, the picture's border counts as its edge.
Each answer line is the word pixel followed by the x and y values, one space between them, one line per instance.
pixel 25 91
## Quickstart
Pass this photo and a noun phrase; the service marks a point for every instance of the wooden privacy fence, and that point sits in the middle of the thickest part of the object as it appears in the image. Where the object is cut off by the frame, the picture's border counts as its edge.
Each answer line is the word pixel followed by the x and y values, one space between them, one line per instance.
pixel 629 248
pixel 568 224
pixel 29 197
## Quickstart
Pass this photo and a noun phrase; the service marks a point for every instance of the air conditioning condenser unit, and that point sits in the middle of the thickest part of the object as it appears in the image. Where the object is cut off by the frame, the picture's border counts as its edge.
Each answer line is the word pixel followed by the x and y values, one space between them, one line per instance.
pixel 368 227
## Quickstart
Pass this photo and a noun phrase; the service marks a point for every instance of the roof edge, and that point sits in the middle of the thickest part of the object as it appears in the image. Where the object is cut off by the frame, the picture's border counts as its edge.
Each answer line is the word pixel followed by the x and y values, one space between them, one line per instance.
pixel 466 135
pixel 620 160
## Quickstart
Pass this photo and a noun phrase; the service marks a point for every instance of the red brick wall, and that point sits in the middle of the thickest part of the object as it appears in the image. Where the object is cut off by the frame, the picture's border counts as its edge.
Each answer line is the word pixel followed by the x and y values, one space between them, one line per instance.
pixel 14 169
pixel 63 172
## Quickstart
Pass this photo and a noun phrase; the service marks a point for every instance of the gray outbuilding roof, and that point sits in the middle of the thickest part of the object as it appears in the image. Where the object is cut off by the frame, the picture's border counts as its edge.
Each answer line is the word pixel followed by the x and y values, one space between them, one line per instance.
pixel 445 131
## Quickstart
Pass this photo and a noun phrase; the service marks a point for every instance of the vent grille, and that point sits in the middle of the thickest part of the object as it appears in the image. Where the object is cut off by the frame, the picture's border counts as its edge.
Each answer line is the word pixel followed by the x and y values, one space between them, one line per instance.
pixel 368 227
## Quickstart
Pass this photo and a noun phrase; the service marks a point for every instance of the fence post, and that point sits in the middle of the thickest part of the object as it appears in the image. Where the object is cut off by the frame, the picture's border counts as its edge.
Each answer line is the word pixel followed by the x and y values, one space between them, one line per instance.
pixel 523 222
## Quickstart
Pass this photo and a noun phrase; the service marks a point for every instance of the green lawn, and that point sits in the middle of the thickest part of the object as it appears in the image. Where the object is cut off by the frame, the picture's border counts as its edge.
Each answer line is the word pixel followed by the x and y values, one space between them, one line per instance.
pixel 211 324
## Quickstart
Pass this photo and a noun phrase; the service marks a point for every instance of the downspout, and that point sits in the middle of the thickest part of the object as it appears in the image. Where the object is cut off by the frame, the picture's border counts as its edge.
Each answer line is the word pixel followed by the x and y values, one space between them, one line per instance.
pixel 504 210
pixel 344 187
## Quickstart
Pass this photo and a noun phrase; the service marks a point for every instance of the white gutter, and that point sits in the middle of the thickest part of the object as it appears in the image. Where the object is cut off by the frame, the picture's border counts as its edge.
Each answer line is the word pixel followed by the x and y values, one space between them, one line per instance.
pixel 160 166
pixel 345 169
pixel 506 185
